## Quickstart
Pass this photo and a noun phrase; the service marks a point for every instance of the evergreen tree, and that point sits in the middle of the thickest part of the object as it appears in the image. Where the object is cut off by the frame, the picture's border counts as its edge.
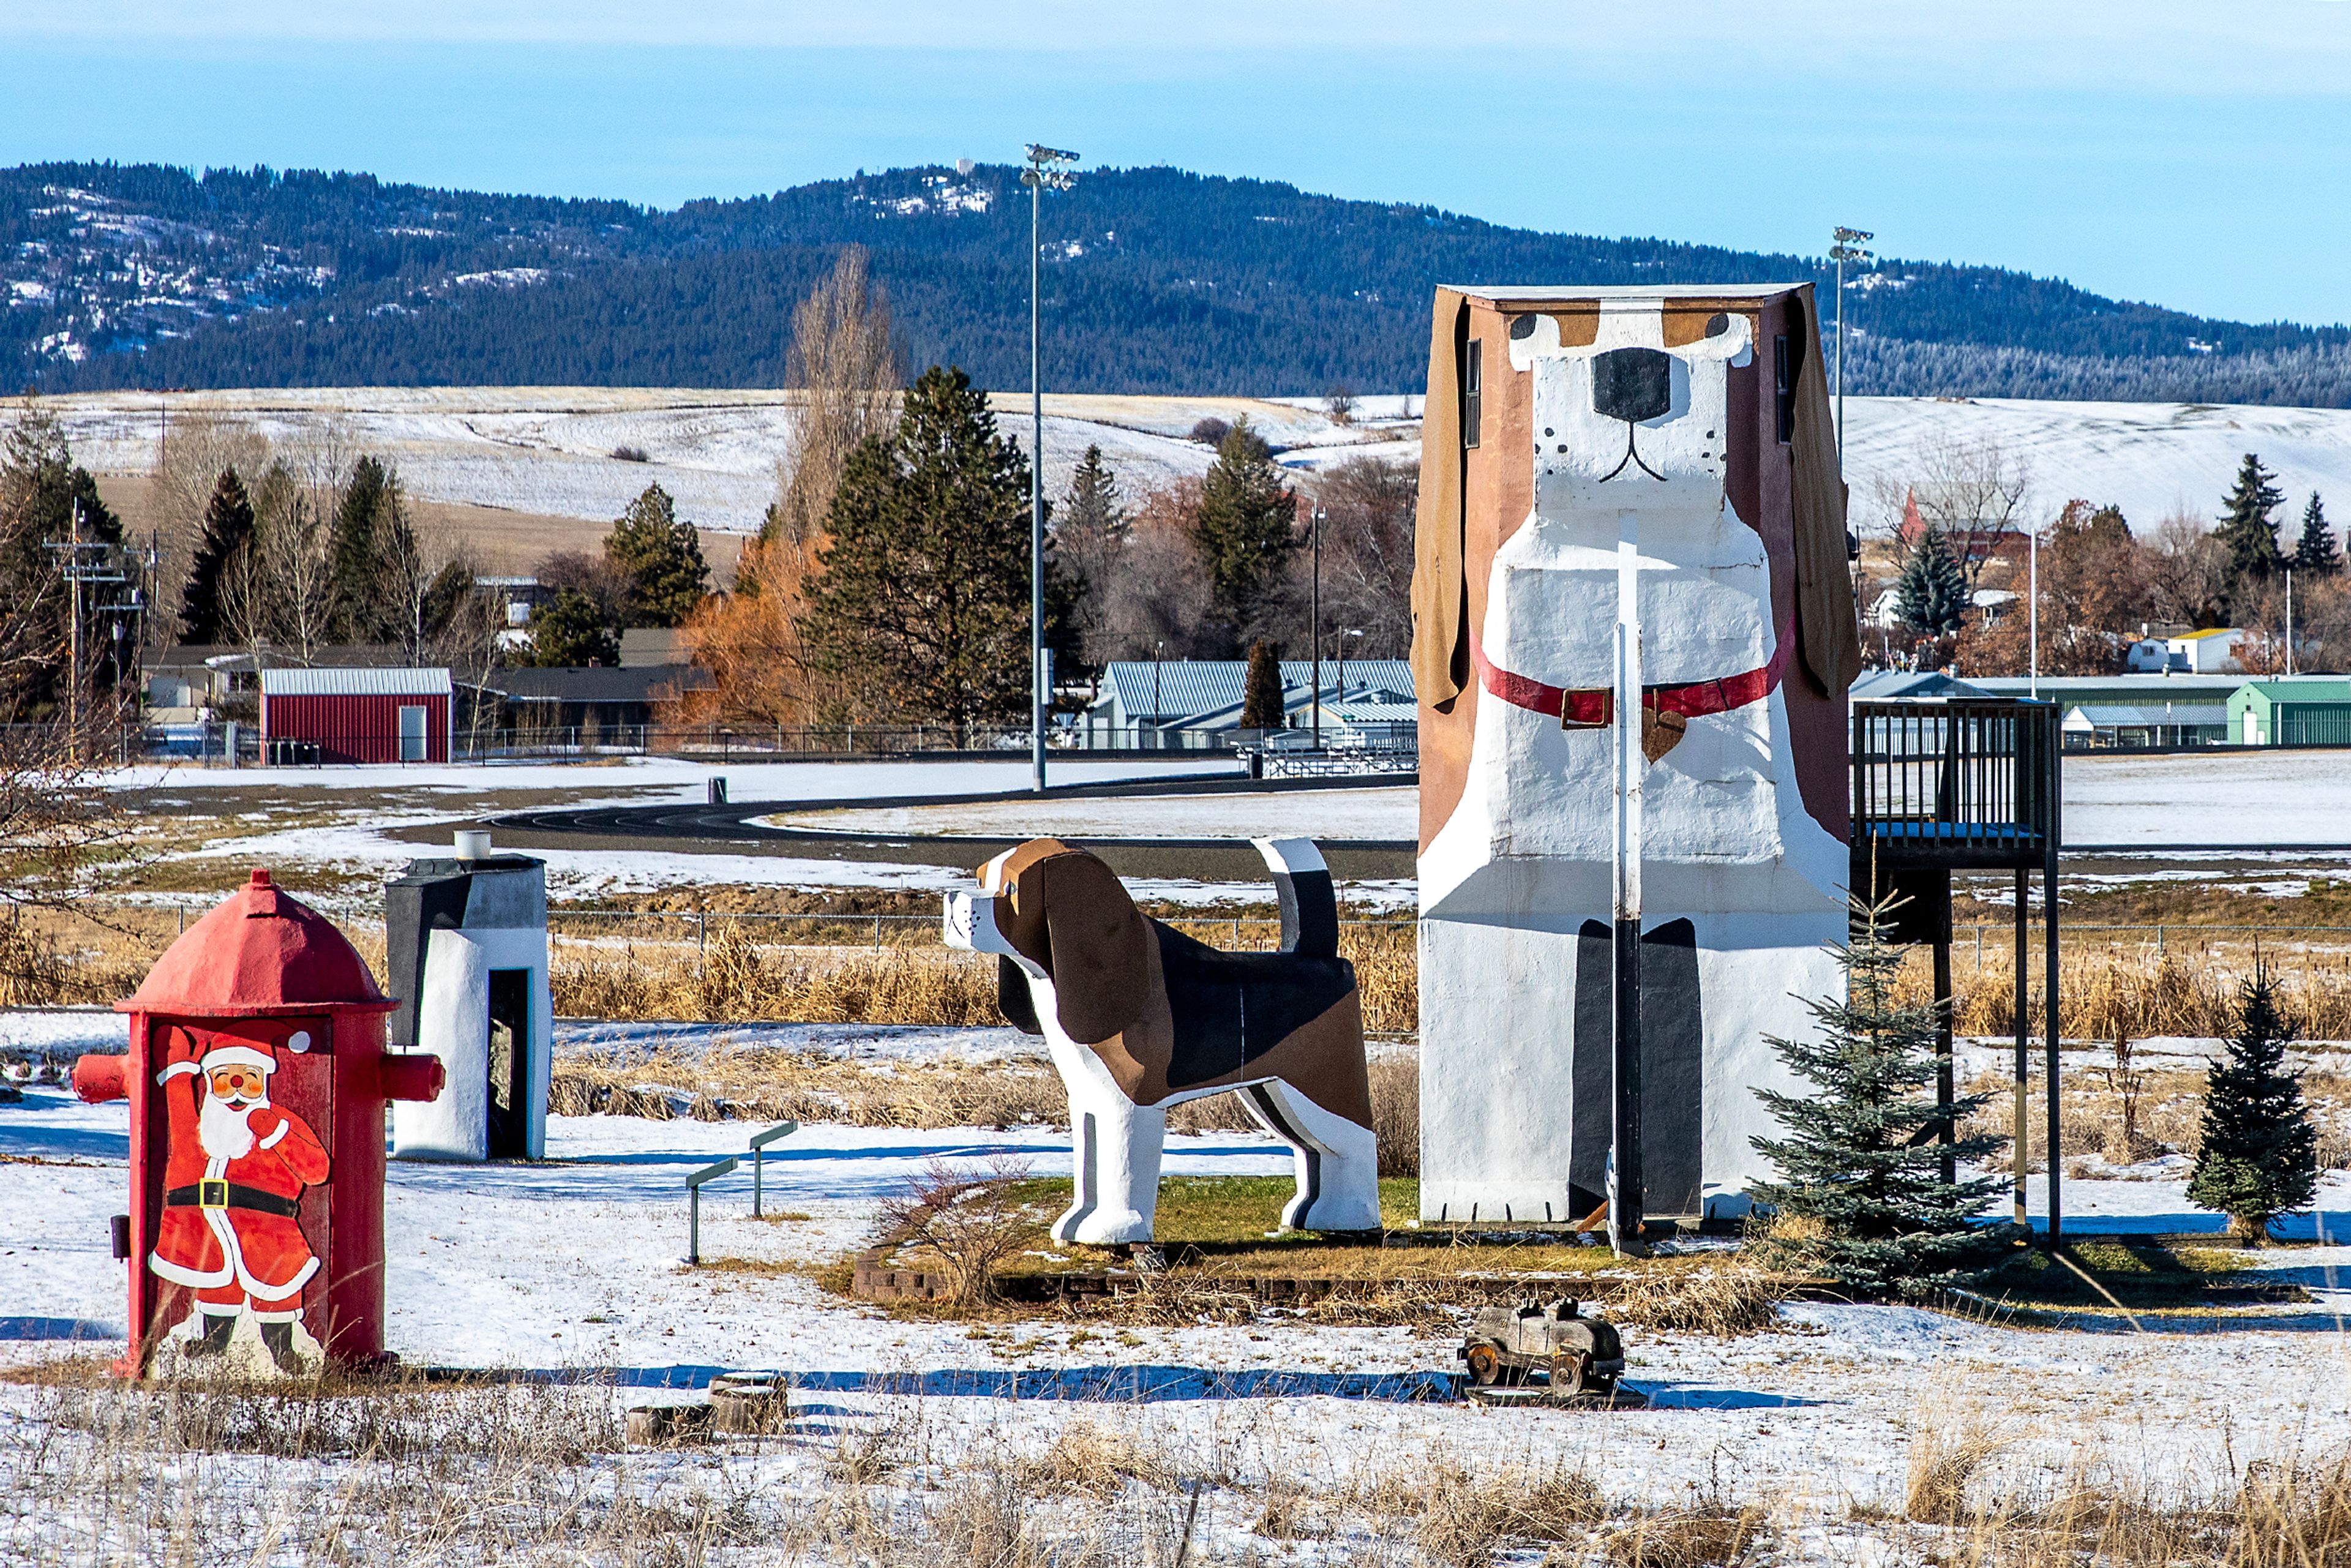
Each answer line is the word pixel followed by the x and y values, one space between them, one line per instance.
pixel 42 491
pixel 573 630
pixel 1244 526
pixel 2314 554
pixel 227 535
pixel 660 559
pixel 1093 503
pixel 2248 532
pixel 1861 1161
pixel 1261 705
pixel 2259 1156
pixel 1932 592
pixel 361 545
pixel 922 600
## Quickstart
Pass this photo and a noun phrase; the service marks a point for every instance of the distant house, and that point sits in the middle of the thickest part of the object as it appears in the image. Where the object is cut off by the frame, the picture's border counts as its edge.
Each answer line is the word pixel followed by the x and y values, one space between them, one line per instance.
pixel 2207 653
pixel 594 704
pixel 1195 701
pixel 2130 711
pixel 2302 711
pixel 1970 547
pixel 355 715
pixel 1890 685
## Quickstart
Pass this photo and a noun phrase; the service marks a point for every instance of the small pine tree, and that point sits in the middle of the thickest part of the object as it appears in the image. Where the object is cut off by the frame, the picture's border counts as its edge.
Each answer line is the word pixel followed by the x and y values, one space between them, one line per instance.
pixel 2259 1158
pixel 1261 705
pixel 2314 554
pixel 1093 503
pixel 659 559
pixel 1245 526
pixel 227 535
pixel 361 545
pixel 573 630
pixel 1860 1166
pixel 1932 592
pixel 2247 532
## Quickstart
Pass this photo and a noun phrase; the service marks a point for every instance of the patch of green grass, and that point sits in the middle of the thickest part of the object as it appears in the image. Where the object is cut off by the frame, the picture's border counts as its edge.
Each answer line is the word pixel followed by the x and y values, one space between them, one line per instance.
pixel 1232 1225
pixel 2136 1272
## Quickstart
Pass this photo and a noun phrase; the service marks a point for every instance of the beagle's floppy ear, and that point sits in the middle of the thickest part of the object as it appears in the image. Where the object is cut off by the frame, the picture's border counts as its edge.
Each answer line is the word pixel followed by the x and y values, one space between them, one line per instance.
pixel 1099 940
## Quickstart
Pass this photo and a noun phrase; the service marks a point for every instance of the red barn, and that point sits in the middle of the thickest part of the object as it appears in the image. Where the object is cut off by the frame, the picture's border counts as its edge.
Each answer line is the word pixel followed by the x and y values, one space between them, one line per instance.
pixel 355 716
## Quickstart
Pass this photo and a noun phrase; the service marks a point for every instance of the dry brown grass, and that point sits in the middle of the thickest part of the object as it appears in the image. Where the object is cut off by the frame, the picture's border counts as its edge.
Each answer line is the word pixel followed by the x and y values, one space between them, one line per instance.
pixel 2135 992
pixel 1688 1538
pixel 1465 1519
pixel 1942 1462
pixel 1723 1301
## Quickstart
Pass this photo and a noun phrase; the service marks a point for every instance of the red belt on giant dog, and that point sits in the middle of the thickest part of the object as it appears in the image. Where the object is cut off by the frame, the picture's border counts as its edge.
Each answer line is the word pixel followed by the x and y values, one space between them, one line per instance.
pixel 1593 706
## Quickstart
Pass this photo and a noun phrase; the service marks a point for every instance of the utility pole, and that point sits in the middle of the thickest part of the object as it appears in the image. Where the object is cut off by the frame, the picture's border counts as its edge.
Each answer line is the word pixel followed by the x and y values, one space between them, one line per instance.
pixel 1317 630
pixel 1157 735
pixel 1047 167
pixel 83 563
pixel 2289 620
pixel 2033 612
pixel 1846 247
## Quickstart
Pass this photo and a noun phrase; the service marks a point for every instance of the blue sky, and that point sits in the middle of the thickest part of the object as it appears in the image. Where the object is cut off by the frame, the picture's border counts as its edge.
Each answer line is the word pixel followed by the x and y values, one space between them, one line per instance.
pixel 2191 153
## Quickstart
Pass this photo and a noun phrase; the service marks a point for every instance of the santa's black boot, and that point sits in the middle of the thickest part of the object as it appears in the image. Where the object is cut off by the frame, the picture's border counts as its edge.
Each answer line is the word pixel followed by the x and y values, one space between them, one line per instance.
pixel 218 1327
pixel 278 1337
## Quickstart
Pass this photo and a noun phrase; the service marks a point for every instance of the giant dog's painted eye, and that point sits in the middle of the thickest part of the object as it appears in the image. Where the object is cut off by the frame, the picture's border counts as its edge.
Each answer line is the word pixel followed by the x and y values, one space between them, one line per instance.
pixel 1716 324
pixel 1523 327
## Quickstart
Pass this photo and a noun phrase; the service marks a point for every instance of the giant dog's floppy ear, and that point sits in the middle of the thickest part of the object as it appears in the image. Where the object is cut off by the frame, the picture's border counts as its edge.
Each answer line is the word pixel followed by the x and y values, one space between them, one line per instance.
pixel 1099 941
pixel 1440 599
pixel 1828 636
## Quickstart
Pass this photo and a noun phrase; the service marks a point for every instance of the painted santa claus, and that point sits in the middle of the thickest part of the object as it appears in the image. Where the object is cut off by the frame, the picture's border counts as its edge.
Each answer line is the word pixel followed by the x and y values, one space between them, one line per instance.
pixel 234 1176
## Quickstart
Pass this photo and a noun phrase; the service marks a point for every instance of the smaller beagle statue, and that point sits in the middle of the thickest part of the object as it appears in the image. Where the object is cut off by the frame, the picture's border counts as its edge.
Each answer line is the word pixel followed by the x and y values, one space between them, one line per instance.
pixel 1140 1017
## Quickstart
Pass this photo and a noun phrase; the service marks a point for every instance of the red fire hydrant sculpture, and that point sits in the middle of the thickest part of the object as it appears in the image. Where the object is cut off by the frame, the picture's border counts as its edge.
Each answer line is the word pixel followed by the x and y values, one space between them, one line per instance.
pixel 257 1079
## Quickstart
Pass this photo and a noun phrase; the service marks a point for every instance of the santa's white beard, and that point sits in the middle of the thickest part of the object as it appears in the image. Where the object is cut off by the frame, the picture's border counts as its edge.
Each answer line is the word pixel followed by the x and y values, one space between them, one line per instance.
pixel 226 1135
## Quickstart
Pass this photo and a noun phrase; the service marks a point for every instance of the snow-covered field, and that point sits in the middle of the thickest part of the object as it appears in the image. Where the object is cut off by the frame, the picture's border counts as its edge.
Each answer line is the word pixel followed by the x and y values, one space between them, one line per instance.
pixel 548 449
pixel 571 1267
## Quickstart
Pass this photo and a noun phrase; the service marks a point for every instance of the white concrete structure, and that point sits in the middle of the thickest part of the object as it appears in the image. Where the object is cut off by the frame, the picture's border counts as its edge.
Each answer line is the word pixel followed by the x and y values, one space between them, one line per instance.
pixel 1742 884
pixel 1117 1143
pixel 466 944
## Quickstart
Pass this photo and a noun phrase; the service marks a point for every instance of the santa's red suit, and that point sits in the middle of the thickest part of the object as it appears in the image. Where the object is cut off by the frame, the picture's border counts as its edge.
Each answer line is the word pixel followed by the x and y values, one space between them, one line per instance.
pixel 233 1176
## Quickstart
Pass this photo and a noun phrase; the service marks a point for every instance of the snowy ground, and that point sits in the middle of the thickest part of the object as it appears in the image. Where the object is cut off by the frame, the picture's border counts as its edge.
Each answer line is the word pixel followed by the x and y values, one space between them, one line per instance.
pixel 1376 813
pixel 548 449
pixel 571 1268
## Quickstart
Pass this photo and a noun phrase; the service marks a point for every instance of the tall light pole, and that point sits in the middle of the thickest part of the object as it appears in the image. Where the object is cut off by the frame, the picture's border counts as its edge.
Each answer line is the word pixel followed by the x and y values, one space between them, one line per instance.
pixel 1048 168
pixel 1318 633
pixel 1846 247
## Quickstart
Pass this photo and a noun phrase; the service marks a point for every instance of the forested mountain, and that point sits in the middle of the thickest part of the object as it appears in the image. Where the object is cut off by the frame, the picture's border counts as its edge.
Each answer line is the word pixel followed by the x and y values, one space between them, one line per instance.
pixel 1157 280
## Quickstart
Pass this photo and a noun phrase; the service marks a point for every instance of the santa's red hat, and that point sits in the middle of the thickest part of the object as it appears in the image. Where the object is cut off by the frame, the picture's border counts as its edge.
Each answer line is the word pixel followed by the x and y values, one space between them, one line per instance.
pixel 232 1054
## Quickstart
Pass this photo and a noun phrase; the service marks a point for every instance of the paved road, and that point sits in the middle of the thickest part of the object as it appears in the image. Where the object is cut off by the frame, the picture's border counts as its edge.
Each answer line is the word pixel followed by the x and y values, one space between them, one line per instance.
pixel 680 827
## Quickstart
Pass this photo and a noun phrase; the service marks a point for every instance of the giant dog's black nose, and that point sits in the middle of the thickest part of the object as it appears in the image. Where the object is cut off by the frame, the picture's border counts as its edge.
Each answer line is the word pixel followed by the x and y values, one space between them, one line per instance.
pixel 1632 384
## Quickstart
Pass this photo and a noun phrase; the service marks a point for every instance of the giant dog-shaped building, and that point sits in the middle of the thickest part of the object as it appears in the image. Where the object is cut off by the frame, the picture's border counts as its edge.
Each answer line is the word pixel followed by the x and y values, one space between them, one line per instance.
pixel 1559 422
pixel 1139 1016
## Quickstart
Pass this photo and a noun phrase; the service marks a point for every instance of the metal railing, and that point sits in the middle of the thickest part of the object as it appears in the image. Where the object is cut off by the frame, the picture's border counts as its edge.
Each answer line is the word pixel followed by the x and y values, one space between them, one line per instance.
pixel 1929 777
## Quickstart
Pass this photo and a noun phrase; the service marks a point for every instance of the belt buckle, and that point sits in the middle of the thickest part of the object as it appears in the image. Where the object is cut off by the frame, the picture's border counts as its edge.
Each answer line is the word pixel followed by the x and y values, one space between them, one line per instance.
pixel 211 1193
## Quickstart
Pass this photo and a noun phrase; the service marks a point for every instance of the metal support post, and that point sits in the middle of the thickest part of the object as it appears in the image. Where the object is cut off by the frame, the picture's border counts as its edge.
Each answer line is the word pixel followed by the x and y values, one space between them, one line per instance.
pixel 759 1142
pixel 1945 1089
pixel 2049 1001
pixel 694 1204
pixel 2020 1147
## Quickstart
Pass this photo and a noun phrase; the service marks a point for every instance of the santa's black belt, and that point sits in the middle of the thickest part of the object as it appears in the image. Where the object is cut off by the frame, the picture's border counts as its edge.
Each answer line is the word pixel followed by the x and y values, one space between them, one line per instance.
pixel 229 1195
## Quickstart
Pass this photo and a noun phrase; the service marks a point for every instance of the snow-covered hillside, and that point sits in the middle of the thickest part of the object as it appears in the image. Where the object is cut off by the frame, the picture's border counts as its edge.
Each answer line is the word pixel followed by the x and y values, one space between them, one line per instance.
pixel 550 450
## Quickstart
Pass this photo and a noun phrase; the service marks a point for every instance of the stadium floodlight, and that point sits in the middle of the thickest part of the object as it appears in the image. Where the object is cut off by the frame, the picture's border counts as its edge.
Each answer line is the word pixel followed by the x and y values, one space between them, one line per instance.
pixel 1846 244
pixel 1048 168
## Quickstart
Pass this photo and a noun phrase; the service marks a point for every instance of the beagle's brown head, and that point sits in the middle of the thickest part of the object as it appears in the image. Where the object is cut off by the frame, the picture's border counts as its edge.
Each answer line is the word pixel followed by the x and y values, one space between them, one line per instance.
pixel 1065 913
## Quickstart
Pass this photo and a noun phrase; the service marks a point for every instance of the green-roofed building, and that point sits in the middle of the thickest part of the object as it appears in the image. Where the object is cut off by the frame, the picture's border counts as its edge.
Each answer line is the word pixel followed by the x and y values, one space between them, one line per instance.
pixel 2300 712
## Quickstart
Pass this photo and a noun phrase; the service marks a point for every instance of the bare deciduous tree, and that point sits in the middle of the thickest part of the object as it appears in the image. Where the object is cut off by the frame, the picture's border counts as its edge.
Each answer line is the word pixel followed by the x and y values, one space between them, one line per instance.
pixel 1974 490
pixel 849 373
pixel 1157 595
pixel 1368 506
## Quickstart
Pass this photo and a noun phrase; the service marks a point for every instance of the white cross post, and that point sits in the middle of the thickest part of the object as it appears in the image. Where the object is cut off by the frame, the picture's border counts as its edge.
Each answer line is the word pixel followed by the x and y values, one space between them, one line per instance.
pixel 1626 1195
